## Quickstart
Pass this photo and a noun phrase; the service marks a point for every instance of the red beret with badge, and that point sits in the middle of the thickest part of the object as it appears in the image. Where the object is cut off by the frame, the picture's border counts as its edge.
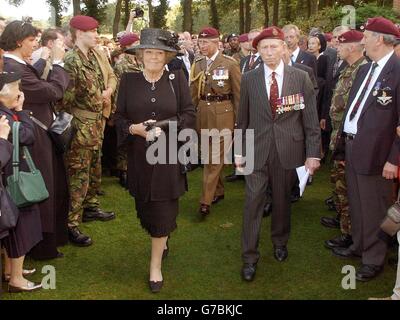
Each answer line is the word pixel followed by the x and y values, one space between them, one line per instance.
pixel 381 25
pixel 128 39
pixel 208 33
pixel 243 37
pixel 84 23
pixel 269 33
pixel 351 36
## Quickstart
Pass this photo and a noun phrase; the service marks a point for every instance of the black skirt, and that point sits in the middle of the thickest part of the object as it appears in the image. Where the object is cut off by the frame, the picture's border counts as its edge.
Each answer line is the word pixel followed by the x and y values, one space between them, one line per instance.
pixel 158 218
pixel 26 234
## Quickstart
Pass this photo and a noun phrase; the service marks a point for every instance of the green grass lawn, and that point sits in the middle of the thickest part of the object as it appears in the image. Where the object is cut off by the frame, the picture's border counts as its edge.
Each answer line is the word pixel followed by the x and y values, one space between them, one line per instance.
pixel 205 257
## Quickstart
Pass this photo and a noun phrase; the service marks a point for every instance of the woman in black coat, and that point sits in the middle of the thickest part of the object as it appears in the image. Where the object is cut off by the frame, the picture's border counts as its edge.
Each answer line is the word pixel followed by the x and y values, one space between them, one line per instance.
pixel 6 149
pixel 146 97
pixel 28 231
pixel 19 40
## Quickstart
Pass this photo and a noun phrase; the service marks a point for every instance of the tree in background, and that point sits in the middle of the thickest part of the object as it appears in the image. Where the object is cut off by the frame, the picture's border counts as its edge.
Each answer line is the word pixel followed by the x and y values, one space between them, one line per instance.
pixel 214 17
pixel 159 14
pixel 187 24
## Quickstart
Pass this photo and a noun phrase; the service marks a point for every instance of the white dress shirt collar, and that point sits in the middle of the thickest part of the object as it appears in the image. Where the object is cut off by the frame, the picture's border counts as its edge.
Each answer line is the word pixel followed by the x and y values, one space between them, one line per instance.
pixel 14 57
pixel 279 70
pixel 213 57
pixel 382 62
pixel 295 54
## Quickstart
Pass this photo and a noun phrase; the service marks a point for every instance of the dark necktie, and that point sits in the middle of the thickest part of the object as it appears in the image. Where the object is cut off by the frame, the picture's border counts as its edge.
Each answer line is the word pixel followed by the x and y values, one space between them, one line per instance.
pixel 273 94
pixel 292 59
pixel 251 63
pixel 364 90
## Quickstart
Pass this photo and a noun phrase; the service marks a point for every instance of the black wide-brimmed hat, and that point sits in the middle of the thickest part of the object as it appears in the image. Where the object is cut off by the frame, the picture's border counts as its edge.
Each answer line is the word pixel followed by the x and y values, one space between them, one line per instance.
pixel 156 39
pixel 8 77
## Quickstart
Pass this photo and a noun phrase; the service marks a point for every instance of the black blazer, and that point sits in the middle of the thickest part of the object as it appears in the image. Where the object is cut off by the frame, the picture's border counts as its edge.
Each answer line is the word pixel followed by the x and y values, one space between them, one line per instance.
pixel 376 141
pixel 308 59
pixel 310 74
pixel 244 64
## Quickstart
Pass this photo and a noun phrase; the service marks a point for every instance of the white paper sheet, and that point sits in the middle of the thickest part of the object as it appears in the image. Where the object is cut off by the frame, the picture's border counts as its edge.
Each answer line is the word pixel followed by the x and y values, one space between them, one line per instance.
pixel 303 175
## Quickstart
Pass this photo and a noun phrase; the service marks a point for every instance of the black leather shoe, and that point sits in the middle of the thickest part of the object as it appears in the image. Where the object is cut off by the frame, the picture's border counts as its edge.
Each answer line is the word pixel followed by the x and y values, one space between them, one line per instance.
pixel 233 177
pixel 155 287
pixel 345 253
pixel 329 201
pixel 267 210
pixel 331 222
pixel 78 238
pixel 280 253
pixel 204 210
pixel 218 199
pixel 368 272
pixel 294 198
pixel 249 271
pixel 343 241
pixel 97 214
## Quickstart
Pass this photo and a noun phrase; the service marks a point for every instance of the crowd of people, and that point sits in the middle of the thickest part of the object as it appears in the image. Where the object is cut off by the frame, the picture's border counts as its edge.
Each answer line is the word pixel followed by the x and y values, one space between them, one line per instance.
pixel 308 97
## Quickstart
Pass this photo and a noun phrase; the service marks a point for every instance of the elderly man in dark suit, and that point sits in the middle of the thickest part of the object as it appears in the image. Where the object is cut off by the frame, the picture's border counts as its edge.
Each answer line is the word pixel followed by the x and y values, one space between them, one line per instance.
pixel 371 153
pixel 278 103
pixel 292 37
pixel 253 60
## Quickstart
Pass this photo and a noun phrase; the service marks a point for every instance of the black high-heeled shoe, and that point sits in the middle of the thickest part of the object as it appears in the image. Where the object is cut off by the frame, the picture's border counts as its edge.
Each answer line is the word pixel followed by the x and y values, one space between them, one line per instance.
pixel 155 287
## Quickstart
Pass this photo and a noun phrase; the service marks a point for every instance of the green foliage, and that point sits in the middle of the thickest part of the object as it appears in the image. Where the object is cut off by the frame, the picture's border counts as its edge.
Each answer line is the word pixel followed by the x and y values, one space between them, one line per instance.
pixel 95 9
pixel 160 14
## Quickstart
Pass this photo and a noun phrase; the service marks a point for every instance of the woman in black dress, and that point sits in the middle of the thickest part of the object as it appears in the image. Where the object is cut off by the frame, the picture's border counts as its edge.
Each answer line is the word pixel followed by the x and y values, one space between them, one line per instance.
pixel 146 97
pixel 28 231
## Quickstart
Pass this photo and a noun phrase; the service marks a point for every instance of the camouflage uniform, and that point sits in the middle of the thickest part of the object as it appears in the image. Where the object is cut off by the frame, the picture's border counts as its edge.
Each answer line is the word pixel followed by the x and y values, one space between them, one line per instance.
pixel 337 111
pixel 126 64
pixel 84 100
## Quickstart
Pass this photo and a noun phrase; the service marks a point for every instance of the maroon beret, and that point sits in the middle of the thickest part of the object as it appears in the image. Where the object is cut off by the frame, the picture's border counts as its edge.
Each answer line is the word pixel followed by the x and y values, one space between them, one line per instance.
pixel 382 25
pixel 351 36
pixel 269 33
pixel 84 23
pixel 128 39
pixel 243 37
pixel 328 36
pixel 208 33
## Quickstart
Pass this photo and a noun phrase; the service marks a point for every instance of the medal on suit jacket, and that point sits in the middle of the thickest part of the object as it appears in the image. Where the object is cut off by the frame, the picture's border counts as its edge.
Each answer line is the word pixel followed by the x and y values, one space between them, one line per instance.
pixel 376 89
pixel 294 102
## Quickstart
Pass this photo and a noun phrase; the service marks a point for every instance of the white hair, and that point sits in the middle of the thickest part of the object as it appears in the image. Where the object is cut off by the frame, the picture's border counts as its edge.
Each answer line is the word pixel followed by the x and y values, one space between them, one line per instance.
pixel 6 90
pixel 388 39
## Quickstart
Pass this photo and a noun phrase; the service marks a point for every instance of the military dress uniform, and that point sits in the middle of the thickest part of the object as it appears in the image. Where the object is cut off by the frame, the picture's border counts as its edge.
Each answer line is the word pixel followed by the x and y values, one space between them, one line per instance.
pixel 337 110
pixel 215 89
pixel 90 76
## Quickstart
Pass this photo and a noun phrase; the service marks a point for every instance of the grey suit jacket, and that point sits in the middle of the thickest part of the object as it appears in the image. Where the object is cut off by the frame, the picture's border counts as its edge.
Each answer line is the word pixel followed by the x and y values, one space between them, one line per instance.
pixel 296 133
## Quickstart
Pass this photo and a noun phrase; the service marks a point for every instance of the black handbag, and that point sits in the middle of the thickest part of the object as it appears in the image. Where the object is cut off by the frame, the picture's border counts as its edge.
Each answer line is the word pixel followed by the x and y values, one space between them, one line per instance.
pixel 8 210
pixel 61 130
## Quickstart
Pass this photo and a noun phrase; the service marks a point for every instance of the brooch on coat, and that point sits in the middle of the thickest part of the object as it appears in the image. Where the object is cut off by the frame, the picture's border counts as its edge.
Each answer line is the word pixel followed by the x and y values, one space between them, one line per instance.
pixel 294 102
pixel 171 76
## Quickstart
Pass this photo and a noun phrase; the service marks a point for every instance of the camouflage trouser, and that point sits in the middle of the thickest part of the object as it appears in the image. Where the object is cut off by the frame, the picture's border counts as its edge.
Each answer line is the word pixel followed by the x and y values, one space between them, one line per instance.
pixel 84 174
pixel 340 196
pixel 122 159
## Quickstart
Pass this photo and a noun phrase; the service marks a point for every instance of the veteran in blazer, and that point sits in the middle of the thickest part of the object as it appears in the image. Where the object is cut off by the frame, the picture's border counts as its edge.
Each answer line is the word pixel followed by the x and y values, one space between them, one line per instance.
pixel 215 89
pixel 367 142
pixel 277 101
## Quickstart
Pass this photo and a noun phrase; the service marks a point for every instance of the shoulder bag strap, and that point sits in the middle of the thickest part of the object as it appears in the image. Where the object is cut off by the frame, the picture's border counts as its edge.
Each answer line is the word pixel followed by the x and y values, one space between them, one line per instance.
pixel 15 160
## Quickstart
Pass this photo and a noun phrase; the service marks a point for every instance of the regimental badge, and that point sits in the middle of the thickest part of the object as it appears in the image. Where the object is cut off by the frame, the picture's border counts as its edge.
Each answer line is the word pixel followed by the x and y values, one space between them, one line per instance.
pixel 376 89
pixel 274 32
pixel 385 98
pixel 221 83
pixel 294 102
pixel 171 76
pixel 220 73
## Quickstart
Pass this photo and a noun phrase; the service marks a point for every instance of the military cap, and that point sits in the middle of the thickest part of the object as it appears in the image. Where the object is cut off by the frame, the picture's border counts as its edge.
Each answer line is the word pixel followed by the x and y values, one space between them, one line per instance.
pixel 351 36
pixel 208 33
pixel 128 39
pixel 269 33
pixel 232 35
pixel 8 77
pixel 243 37
pixel 84 23
pixel 381 25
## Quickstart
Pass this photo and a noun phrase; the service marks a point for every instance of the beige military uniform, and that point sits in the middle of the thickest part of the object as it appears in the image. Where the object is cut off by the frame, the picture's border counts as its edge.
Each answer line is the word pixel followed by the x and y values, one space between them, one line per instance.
pixel 216 93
